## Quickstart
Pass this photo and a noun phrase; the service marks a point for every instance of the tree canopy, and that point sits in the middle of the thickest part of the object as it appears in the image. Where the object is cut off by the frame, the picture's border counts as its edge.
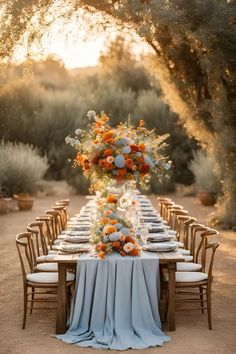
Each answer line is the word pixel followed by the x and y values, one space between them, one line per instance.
pixel 195 61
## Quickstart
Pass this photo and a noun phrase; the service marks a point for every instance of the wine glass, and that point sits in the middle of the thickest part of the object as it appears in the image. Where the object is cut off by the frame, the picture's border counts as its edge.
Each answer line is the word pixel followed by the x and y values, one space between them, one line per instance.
pixel 144 233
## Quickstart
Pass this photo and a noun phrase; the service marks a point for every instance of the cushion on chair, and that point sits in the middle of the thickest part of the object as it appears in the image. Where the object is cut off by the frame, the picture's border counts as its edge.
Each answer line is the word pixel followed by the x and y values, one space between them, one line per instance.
pixel 188 267
pixel 46 277
pixel 47 267
pixel 190 277
pixel 187 258
pixel 41 259
pixel 184 252
pixel 51 252
pixel 57 242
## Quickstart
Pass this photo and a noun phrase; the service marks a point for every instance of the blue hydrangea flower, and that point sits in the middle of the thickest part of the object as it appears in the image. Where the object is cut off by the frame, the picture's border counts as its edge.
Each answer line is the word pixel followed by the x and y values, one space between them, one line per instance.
pixel 119 226
pixel 115 236
pixel 125 150
pixel 113 216
pixel 149 161
pixel 166 166
pixel 119 161
pixel 105 239
pixel 125 231
pixel 121 142
pixel 115 172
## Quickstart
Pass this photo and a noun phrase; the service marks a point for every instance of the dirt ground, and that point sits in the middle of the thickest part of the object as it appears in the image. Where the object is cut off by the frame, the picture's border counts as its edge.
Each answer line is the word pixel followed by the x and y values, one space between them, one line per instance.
pixel 192 335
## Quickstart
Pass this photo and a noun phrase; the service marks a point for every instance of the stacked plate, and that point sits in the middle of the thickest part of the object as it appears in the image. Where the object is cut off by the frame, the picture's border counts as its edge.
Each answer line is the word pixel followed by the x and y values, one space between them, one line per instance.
pixel 66 248
pixel 160 247
pixel 159 237
pixel 77 239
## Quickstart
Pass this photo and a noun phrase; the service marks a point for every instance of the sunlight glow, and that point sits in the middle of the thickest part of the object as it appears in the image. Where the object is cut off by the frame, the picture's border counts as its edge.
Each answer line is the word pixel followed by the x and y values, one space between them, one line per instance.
pixel 75 43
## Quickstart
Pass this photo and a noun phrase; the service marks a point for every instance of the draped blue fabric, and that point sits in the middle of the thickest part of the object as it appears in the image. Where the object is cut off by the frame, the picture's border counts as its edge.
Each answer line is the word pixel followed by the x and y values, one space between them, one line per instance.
pixel 116 303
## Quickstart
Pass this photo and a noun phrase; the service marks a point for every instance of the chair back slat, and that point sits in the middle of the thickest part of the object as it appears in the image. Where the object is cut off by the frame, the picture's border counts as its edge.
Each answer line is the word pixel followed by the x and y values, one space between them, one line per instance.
pixel 25 252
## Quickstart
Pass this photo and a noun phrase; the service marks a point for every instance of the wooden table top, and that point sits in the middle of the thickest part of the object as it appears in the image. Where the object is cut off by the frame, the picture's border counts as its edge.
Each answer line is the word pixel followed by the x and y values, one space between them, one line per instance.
pixel 164 258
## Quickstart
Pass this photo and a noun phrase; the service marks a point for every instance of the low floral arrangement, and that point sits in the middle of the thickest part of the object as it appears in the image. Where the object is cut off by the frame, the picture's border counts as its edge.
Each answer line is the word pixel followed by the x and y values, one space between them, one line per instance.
pixel 125 152
pixel 113 233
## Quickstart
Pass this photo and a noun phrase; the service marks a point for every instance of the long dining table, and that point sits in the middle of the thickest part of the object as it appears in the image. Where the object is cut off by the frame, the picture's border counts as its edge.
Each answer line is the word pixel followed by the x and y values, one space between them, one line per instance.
pixel 167 260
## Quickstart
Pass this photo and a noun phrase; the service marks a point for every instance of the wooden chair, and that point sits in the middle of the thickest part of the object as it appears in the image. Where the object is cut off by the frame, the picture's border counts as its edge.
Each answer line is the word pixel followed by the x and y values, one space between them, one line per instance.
pixel 43 285
pixel 174 212
pixel 188 282
pixel 198 262
pixel 40 248
pixel 182 229
pixel 162 201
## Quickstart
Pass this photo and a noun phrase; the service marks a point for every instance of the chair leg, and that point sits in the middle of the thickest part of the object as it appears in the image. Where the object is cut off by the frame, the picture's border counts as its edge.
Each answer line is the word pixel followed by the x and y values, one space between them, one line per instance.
pixel 32 301
pixel 25 306
pixel 208 294
pixel 201 298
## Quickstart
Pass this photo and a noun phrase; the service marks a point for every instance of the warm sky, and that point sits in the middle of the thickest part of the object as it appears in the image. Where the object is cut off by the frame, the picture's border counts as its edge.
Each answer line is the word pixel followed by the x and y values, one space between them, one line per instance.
pixel 76 43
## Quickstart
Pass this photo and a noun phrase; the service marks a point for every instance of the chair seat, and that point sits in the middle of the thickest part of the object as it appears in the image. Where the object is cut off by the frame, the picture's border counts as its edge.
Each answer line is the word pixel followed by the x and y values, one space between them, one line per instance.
pixel 184 252
pixel 47 267
pixel 57 242
pixel 188 267
pixel 47 277
pixel 187 258
pixel 190 277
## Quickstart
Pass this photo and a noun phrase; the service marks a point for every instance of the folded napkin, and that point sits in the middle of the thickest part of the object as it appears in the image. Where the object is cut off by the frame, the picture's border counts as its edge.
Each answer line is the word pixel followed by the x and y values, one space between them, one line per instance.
pixel 81 228
pixel 160 247
pixel 156 228
pixel 159 237
pixel 77 239
pixel 65 247
pixel 78 233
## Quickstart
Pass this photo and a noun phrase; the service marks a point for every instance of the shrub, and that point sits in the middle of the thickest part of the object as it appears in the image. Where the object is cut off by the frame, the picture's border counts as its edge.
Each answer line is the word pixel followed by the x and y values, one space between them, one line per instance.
pixel 21 168
pixel 206 172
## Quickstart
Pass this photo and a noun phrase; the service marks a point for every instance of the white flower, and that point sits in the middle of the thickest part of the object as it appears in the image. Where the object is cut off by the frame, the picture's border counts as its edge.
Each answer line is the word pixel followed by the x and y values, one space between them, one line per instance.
pixel 91 115
pixel 71 141
pixel 128 247
pixel 67 139
pixel 78 131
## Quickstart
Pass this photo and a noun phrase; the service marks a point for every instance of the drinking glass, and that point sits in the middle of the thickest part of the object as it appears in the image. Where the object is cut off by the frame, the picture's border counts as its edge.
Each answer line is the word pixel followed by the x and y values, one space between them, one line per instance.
pixel 144 233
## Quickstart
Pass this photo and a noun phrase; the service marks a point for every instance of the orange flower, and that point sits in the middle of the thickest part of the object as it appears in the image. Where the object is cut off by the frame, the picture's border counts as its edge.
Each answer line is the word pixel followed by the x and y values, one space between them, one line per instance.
pixel 116 244
pixel 110 166
pixel 111 199
pixel 87 166
pixel 141 147
pixel 110 141
pixel 134 148
pixel 113 222
pixel 107 136
pixel 101 255
pixel 121 172
pixel 108 212
pixel 141 123
pixel 129 163
pixel 80 158
pixel 104 118
pixel 104 221
pixel 129 239
pixel 102 162
pixel 108 152
pixel 134 252
pixel 110 229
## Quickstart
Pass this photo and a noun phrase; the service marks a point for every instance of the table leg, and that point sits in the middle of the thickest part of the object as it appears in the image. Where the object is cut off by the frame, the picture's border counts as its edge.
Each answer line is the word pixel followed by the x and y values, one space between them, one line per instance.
pixel 171 296
pixel 61 300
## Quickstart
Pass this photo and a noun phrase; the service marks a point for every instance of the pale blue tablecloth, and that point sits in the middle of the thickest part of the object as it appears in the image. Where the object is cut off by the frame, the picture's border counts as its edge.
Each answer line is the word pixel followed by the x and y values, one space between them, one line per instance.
pixel 116 303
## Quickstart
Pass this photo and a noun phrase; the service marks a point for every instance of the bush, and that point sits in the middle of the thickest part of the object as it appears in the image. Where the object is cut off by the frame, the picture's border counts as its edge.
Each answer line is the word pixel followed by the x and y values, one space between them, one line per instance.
pixel 21 168
pixel 206 172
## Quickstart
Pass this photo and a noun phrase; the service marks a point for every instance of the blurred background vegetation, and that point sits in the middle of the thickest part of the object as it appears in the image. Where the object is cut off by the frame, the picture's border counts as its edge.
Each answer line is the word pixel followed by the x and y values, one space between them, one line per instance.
pixel 43 102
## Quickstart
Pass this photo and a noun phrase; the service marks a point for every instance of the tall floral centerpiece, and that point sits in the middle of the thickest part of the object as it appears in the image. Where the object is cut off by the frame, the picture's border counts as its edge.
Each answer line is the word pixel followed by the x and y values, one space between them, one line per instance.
pixel 121 153
pixel 124 153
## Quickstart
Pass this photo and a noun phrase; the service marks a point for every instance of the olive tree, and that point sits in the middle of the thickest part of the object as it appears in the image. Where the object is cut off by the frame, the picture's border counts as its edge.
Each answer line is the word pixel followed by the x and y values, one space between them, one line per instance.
pixel 194 58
